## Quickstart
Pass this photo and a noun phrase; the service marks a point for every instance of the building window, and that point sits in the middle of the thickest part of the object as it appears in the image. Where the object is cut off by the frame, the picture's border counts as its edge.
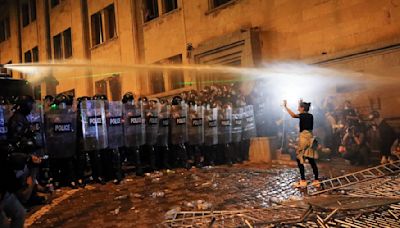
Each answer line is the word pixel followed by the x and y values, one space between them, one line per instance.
pixel 110 22
pixel 67 43
pixel 28 12
pixel 5 71
pixel 54 3
pixel 216 3
pixel 150 10
pixel 103 25
pixel 32 5
pixel 170 5
pixel 115 87
pixel 101 87
pixel 97 29
pixel 25 14
pixel 32 55
pixel 28 57
pixel 4 29
pixel 57 47
pixel 62 45
pixel 157 82
pixel 176 77
pixel 35 55
pixel 9 71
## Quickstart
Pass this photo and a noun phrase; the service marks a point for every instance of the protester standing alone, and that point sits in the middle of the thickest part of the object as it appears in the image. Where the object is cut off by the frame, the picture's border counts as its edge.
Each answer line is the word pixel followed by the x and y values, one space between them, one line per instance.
pixel 306 144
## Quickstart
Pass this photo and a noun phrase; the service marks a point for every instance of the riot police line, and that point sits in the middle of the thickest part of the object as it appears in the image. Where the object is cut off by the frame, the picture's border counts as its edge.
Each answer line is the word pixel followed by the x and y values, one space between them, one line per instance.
pixel 92 136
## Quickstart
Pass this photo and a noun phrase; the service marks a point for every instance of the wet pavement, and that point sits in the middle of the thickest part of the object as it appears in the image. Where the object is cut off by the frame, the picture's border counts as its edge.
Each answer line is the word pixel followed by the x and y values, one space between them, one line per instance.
pixel 144 201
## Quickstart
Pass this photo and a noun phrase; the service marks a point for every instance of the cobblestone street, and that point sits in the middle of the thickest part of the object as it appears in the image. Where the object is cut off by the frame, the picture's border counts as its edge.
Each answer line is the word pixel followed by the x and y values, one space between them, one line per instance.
pixel 143 202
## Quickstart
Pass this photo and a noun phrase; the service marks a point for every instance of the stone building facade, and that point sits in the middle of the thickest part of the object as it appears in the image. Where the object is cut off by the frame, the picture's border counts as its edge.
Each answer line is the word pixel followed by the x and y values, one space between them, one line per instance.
pixel 360 35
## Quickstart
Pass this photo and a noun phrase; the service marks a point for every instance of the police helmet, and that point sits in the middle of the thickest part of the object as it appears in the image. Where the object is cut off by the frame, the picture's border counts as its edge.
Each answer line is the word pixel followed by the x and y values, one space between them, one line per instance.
pixel 24 103
pixel 49 98
pixel 176 100
pixel 101 97
pixel 128 97
pixel 192 103
pixel 142 99
pixel 61 98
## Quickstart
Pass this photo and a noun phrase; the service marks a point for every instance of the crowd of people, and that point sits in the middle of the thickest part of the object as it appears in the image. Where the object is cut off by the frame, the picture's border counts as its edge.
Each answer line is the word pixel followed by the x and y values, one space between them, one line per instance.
pixel 67 142
pixel 344 131
pixel 64 141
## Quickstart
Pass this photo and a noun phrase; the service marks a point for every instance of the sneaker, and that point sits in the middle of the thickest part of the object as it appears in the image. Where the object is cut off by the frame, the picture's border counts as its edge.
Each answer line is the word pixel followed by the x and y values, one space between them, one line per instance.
pixel 316 183
pixel 384 160
pixel 300 184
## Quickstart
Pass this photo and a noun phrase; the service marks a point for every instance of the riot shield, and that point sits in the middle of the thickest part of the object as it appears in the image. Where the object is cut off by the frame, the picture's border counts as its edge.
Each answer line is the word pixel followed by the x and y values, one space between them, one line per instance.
pixel 225 125
pixel 196 125
pixel 134 125
pixel 61 132
pixel 179 134
pixel 237 122
pixel 249 126
pixel 164 117
pixel 94 127
pixel 151 117
pixel 114 123
pixel 210 126
pixel 5 114
pixel 260 115
pixel 35 119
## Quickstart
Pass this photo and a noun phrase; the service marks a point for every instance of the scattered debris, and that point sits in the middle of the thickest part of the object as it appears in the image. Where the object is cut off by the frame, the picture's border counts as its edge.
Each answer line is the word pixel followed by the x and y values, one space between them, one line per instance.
pixel 198 204
pixel 116 211
pixel 158 194
pixel 137 195
pixel 121 197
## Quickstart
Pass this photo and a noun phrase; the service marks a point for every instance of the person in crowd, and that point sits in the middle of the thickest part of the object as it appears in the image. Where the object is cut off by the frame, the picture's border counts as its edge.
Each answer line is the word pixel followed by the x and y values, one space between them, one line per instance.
pixel 306 147
pixel 356 147
pixel 396 148
pixel 12 213
pixel 387 136
pixel 350 114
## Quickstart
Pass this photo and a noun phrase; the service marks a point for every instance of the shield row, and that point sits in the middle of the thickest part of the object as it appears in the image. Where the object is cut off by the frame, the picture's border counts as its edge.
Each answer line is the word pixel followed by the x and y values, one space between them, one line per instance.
pixel 113 124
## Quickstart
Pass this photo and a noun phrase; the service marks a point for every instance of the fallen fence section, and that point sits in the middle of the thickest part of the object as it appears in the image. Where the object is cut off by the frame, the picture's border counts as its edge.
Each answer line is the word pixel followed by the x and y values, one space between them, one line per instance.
pixel 235 218
pixel 356 177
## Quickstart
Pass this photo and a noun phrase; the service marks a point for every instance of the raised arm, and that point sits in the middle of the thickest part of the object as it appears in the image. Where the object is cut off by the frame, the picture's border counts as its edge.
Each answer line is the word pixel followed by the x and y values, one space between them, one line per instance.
pixel 291 113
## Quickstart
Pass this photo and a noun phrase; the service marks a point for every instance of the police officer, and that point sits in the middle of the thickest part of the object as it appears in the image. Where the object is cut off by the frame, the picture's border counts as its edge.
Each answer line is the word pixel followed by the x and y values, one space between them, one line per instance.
pixel 95 138
pixel 134 131
pixel 249 129
pixel 224 155
pixel 61 140
pixel 81 158
pixel 210 133
pixel 237 129
pixel 151 109
pixel 179 132
pixel 48 101
pixel 162 148
pixel 195 132
pixel 111 159
pixel 22 142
